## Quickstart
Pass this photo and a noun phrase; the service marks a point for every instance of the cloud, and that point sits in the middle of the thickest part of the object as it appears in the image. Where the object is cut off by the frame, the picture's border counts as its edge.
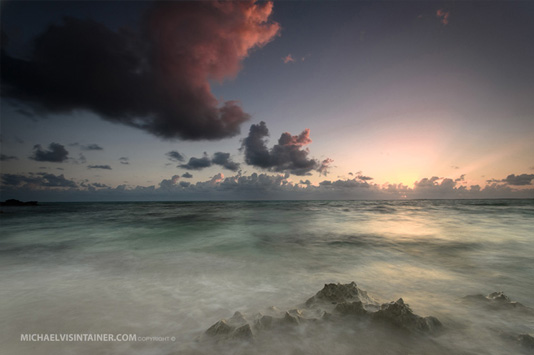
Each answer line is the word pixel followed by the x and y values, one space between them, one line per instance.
pixel 167 184
pixel 156 79
pixel 56 153
pixel 224 160
pixel 105 167
pixel 286 156
pixel 288 59
pixel 325 166
pixel 4 157
pixel 175 156
pixel 197 163
pixel 81 159
pixel 364 178
pixel 443 16
pixel 91 147
pixel 219 158
pixel 43 186
pixel 37 180
pixel 187 175
pixel 519 180
pixel 124 160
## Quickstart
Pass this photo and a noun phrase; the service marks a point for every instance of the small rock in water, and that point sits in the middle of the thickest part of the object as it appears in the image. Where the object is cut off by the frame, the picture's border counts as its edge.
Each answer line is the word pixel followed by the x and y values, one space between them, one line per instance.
pixel 221 328
pixel 497 300
pixel 244 332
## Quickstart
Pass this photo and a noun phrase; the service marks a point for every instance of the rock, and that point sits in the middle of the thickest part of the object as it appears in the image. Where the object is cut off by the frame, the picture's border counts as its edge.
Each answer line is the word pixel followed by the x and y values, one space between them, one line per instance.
pixel 244 333
pixel 334 304
pixel 526 341
pixel 400 315
pixel 265 322
pixel 338 293
pixel 497 300
pixel 221 328
pixel 352 308
pixel 237 319
pixel 289 319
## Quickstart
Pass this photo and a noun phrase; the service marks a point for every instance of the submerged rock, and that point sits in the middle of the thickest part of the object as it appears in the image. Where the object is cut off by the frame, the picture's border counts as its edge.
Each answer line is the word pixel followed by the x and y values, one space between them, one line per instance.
pixel 497 300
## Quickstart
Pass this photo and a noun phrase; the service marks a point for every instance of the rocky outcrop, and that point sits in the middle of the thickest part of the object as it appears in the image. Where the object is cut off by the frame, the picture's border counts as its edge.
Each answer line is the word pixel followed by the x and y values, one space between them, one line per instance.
pixel 400 315
pixel 340 303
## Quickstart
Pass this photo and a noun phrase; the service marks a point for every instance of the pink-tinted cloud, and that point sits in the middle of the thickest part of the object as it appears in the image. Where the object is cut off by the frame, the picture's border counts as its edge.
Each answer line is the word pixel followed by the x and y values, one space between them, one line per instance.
pixel 288 59
pixel 286 156
pixel 156 79
pixel 302 139
pixel 443 15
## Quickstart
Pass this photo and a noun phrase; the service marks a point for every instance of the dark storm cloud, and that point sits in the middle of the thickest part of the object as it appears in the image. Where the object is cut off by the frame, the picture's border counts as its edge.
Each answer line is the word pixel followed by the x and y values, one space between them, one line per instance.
pixel 37 180
pixel 175 156
pixel 56 153
pixel 156 79
pixel 105 167
pixel 187 175
pixel 519 180
pixel 4 157
pixel 124 160
pixel 286 156
pixel 219 158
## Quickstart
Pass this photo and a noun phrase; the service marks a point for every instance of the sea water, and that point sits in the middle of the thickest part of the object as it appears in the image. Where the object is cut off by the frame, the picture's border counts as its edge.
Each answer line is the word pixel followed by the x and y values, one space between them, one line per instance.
pixel 172 269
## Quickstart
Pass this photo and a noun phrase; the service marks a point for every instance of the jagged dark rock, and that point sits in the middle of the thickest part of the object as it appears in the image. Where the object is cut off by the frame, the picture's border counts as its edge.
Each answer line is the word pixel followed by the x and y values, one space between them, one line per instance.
pixel 350 304
pixel 264 322
pixel 352 308
pixel 338 293
pixel 13 202
pixel 221 328
pixel 400 314
pixel 244 332
pixel 289 319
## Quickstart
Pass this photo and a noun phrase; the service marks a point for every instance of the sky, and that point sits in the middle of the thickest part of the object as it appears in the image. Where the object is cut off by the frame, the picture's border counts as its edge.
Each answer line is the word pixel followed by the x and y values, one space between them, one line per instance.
pixel 120 100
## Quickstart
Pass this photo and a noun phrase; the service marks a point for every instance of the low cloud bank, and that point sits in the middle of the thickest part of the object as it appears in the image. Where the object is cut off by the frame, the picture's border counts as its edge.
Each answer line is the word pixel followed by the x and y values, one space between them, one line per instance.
pixel 49 187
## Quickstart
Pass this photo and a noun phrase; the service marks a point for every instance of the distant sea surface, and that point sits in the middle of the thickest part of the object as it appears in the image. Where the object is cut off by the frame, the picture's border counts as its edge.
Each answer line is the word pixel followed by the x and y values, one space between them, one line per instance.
pixel 175 268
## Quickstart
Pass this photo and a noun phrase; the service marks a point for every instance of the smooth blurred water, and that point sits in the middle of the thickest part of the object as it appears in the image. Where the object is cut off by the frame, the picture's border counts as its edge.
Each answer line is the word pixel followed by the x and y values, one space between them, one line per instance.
pixel 175 268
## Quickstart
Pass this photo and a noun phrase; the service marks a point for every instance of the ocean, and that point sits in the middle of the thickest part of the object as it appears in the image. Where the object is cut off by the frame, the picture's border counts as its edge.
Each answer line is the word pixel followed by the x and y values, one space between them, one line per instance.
pixel 171 270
